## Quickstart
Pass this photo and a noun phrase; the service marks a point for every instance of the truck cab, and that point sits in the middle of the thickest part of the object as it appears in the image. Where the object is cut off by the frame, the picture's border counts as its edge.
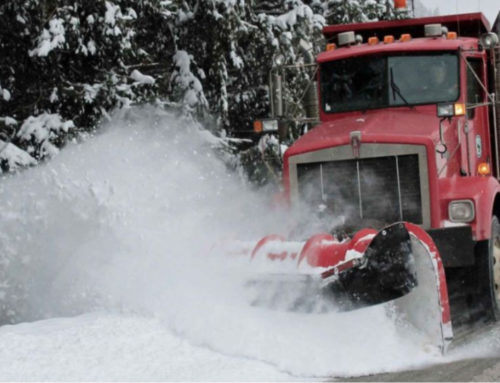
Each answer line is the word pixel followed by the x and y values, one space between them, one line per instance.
pixel 408 132
pixel 407 127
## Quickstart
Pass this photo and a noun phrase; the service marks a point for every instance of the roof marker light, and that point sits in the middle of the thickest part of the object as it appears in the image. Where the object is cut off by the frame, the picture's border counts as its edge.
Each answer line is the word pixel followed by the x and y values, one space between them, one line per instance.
pixel 330 47
pixel 451 35
pixel 388 39
pixel 405 37
pixel 373 40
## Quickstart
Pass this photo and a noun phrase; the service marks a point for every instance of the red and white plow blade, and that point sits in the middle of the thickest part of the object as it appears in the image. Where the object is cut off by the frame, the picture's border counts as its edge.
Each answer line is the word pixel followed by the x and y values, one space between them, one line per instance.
pixel 427 306
pixel 399 264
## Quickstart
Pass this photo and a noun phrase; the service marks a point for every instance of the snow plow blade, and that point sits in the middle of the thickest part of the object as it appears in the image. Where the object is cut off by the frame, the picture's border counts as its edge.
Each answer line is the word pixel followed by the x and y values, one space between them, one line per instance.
pixel 400 264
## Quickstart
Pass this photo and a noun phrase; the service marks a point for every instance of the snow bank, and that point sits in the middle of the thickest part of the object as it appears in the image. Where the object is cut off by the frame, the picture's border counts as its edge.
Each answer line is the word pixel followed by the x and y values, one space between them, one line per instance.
pixel 125 223
pixel 103 347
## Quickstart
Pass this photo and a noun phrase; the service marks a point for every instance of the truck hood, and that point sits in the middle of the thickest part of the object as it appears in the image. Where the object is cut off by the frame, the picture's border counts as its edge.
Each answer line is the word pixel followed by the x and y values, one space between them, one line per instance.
pixel 402 126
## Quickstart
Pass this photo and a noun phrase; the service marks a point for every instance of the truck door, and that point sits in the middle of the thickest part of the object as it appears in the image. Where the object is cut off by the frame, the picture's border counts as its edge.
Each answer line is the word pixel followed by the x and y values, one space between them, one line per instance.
pixel 477 115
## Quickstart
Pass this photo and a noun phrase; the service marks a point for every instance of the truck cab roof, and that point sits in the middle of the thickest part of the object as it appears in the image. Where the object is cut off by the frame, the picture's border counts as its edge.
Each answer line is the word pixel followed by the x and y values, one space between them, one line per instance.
pixel 468 28
pixel 414 45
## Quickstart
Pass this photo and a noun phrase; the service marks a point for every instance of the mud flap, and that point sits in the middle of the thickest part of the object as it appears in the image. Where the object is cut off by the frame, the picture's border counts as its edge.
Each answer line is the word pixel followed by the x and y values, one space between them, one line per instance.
pixel 427 307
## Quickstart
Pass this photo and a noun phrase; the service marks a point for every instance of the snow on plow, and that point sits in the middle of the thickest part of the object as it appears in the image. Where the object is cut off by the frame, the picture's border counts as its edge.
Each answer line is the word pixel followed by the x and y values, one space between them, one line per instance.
pixel 399 264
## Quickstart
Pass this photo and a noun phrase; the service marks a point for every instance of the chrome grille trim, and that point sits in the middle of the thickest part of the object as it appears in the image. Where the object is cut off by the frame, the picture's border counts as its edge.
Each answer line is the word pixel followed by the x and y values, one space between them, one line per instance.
pixel 359 190
pixel 399 188
pixel 367 150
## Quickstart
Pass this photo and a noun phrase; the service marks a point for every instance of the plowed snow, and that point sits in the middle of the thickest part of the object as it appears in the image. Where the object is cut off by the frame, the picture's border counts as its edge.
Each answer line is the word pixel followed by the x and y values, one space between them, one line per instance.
pixel 121 226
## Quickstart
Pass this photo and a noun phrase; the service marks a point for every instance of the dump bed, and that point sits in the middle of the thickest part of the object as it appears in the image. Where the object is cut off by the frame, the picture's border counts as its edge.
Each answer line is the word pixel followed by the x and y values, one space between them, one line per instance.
pixel 466 25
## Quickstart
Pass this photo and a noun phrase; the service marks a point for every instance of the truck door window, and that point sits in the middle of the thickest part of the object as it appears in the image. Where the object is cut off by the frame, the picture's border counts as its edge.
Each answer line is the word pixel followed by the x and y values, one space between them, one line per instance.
pixel 475 92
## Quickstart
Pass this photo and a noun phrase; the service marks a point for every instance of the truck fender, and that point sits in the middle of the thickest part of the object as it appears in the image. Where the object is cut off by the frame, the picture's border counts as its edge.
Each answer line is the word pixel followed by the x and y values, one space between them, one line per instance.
pixel 483 191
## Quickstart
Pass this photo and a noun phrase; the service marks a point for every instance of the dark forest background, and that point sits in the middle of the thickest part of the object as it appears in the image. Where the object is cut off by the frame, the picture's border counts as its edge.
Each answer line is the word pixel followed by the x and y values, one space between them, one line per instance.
pixel 66 64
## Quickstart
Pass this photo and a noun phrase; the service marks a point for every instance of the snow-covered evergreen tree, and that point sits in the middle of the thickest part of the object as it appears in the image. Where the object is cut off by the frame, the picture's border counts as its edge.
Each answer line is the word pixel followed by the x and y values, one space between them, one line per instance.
pixel 348 11
pixel 65 63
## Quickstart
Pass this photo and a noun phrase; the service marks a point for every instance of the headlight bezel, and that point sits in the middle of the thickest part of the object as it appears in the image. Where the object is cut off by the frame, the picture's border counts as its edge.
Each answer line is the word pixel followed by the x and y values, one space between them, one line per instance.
pixel 454 214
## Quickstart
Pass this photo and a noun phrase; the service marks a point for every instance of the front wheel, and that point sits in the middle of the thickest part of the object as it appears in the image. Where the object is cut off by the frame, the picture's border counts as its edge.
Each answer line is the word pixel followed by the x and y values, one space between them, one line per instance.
pixel 494 267
pixel 488 263
pixel 485 277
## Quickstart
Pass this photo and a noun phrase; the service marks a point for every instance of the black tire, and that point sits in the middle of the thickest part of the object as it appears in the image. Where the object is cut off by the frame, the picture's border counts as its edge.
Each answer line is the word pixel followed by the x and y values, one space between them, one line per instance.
pixel 494 268
pixel 491 271
pixel 474 290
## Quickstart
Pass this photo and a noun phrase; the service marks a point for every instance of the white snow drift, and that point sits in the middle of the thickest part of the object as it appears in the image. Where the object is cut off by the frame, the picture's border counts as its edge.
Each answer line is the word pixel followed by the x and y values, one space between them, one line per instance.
pixel 122 226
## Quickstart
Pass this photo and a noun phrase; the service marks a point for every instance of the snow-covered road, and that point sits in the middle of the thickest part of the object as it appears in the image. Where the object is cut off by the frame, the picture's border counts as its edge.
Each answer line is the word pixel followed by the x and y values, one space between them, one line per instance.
pixel 110 243
pixel 119 347
pixel 103 346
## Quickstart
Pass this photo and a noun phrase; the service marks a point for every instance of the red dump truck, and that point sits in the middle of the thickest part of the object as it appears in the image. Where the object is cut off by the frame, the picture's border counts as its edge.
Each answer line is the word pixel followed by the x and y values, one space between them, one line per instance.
pixel 403 170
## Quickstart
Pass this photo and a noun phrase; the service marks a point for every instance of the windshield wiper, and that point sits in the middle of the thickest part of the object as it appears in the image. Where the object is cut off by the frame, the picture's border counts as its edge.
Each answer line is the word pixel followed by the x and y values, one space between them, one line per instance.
pixel 396 90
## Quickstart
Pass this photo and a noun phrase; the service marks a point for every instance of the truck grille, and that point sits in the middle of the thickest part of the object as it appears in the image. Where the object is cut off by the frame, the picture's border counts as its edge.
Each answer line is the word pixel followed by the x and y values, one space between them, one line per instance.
pixel 383 189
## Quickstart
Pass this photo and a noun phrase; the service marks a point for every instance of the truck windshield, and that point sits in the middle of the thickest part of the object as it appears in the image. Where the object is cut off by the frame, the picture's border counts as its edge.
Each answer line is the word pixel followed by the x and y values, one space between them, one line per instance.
pixel 371 82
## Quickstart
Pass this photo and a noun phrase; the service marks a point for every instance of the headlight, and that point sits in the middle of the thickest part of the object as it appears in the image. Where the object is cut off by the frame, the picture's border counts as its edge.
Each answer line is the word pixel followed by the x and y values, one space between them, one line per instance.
pixel 461 211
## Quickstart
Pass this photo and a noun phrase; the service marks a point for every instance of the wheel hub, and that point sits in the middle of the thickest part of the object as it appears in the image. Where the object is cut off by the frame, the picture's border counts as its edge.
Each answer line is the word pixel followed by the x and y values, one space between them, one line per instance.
pixel 496 267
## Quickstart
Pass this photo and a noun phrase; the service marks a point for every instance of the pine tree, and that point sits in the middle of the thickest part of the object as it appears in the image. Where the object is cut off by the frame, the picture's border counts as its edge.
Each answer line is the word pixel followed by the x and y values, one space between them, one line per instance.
pixel 66 63
pixel 349 11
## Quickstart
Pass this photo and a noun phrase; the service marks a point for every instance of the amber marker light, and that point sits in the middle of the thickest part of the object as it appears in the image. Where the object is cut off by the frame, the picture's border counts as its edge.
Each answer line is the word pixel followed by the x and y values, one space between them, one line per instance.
pixel 459 109
pixel 399 4
pixel 257 126
pixel 484 169
pixel 330 47
pixel 451 35
pixel 373 40
pixel 405 37
pixel 388 39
